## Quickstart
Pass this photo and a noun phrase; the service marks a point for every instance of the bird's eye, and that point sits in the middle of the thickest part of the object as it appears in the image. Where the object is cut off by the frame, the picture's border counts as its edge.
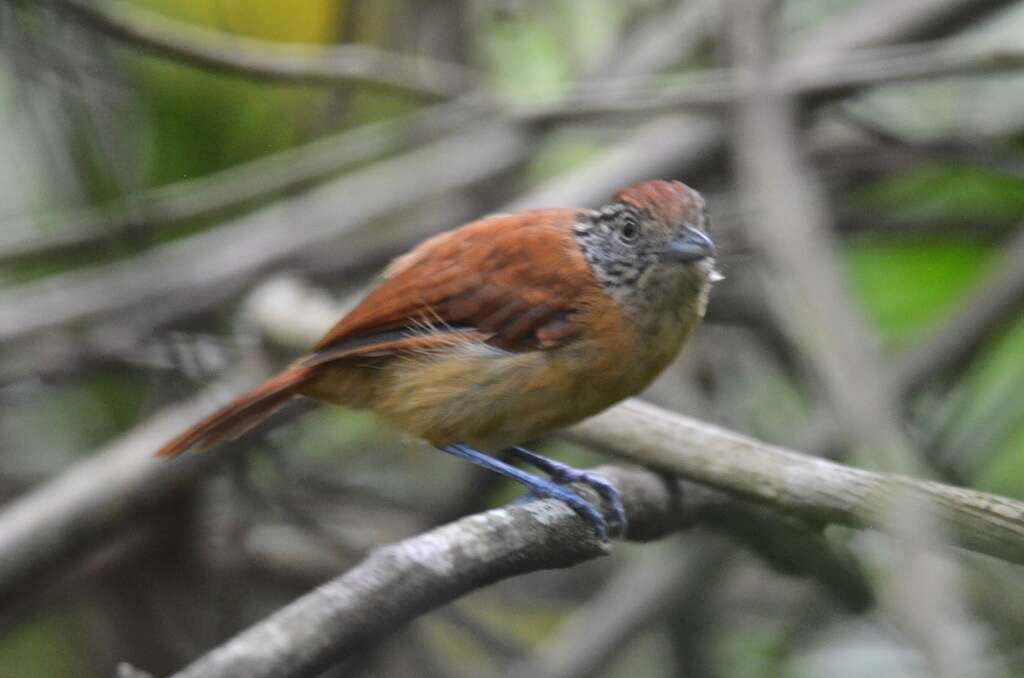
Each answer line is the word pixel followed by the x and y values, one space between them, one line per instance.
pixel 630 230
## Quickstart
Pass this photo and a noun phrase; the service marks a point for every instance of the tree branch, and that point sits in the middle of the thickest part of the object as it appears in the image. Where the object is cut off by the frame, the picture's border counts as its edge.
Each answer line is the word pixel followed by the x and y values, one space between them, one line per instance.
pixel 263 179
pixel 806 74
pixel 222 260
pixel 402 581
pixel 399 582
pixel 57 521
pixel 667 145
pixel 360 65
pixel 800 76
pixel 814 489
pixel 806 288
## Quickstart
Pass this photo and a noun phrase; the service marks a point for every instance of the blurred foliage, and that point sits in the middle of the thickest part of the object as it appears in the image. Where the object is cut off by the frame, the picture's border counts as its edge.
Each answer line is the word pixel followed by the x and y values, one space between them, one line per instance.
pixel 948 192
pixel 907 288
pixel 200 121
pixel 51 645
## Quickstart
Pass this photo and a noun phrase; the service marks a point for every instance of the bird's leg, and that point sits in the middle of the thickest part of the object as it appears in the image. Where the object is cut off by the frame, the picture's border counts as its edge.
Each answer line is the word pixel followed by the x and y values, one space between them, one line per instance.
pixel 564 474
pixel 540 487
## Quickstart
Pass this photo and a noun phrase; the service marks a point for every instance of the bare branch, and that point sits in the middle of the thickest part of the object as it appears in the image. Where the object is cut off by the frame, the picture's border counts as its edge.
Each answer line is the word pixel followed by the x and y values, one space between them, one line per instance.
pixel 793 230
pixel 257 180
pixel 664 146
pixel 360 65
pixel 64 516
pixel 801 76
pixel 226 258
pixel 295 167
pixel 689 140
pixel 399 582
pixel 54 523
pixel 877 22
pixel 814 489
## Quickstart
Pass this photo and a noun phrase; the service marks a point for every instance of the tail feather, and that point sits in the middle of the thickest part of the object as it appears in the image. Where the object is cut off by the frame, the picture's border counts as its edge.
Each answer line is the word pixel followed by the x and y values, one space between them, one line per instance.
pixel 240 415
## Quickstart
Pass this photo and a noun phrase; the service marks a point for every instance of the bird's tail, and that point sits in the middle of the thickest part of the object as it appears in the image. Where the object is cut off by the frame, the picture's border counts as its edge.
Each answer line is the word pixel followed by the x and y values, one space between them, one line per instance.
pixel 240 415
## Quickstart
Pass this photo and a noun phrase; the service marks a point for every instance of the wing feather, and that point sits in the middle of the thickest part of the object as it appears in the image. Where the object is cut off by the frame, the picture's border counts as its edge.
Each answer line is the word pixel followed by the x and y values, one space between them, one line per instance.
pixel 514 281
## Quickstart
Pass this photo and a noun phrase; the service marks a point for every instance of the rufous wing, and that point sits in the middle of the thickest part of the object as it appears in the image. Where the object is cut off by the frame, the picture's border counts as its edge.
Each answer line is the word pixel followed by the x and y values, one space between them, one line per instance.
pixel 513 281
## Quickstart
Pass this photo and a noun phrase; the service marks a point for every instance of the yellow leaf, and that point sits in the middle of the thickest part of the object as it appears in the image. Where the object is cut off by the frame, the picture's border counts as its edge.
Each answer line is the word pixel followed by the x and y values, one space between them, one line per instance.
pixel 310 21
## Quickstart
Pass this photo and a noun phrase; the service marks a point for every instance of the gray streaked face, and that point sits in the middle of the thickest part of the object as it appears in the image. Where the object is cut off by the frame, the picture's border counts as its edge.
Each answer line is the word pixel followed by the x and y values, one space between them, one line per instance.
pixel 657 255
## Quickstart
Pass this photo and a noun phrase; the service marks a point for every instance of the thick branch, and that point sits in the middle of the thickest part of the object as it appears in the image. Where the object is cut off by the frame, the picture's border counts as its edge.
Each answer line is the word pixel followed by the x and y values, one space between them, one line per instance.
pixel 815 489
pixel 399 582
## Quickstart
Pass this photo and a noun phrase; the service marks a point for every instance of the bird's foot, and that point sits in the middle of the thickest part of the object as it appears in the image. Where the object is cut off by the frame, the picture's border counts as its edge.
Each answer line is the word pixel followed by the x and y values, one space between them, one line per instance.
pixel 563 474
pixel 541 487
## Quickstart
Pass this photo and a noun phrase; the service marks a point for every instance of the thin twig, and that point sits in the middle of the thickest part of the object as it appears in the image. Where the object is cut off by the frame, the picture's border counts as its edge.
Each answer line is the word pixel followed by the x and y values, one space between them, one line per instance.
pixel 360 65
pixel 262 179
pixel 665 146
pixel 802 76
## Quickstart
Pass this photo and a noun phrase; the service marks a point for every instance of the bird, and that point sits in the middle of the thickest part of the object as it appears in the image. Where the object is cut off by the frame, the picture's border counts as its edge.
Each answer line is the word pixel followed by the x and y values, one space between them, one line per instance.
pixel 508 328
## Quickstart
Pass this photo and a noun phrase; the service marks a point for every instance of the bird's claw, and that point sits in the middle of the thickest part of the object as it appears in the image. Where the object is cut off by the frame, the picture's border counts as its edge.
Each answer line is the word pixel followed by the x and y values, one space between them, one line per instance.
pixel 563 474
pixel 604 488
pixel 583 508
pixel 555 487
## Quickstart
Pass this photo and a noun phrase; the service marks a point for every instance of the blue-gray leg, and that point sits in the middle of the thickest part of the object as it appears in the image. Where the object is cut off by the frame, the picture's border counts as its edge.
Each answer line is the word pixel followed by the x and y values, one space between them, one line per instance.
pixel 564 474
pixel 540 487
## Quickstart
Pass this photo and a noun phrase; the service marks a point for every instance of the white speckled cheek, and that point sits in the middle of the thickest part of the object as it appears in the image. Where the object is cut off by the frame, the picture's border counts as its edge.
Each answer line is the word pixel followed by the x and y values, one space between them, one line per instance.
pixel 710 276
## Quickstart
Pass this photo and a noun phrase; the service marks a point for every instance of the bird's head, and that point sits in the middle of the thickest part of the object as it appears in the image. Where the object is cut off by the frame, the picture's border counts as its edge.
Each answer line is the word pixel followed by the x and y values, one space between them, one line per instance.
pixel 650 248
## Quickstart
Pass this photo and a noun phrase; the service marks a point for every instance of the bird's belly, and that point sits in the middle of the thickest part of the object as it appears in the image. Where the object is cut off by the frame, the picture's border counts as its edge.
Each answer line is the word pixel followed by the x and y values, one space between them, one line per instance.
pixel 489 398
pixel 492 399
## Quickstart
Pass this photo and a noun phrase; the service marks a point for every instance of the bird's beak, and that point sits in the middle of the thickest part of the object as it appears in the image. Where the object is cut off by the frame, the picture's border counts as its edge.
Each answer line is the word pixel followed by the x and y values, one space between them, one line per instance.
pixel 693 245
